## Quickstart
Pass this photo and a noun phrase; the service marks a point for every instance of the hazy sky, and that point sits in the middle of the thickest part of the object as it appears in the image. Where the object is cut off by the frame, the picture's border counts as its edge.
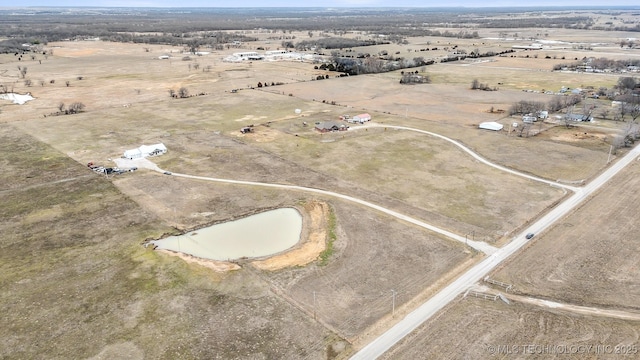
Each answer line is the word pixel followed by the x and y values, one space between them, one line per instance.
pixel 318 3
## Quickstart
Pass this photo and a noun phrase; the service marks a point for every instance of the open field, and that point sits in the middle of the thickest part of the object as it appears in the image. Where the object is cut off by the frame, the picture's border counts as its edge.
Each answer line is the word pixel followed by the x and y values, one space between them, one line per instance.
pixel 78 280
pixel 587 260
pixel 474 328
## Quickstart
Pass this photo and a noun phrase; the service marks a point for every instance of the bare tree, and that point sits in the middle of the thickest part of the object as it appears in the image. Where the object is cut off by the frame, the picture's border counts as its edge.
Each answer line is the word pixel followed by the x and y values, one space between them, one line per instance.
pixel 76 107
pixel 626 83
pixel 172 93
pixel 183 92
pixel 526 107
pixel 634 112
pixel 61 107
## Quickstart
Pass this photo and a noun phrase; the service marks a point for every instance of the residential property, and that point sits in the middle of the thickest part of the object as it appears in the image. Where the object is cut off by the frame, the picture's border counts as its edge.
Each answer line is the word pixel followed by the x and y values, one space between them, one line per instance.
pixel 578 117
pixel 145 151
pixel 329 126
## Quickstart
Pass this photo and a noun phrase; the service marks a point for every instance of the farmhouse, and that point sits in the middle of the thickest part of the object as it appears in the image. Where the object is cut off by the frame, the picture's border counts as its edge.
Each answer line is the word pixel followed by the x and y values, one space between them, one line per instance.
pixel 328 126
pixel 145 151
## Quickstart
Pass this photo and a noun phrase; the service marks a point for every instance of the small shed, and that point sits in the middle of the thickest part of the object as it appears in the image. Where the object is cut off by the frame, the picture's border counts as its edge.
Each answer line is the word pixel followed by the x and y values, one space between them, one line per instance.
pixel 491 125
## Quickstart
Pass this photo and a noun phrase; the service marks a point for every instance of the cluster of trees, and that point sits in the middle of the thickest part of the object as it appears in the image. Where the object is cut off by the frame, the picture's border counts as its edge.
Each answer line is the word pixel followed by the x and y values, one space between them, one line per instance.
pixel 15 46
pixel 119 24
pixel 74 108
pixel 599 64
pixel 182 93
pixel 477 85
pixel 414 78
pixel 629 97
pixel 332 43
pixel 265 84
pixel 557 103
pixel 371 65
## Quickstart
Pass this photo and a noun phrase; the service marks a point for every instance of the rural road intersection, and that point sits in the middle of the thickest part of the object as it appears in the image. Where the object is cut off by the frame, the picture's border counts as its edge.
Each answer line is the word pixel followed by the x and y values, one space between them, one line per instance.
pixel 495 255
pixel 413 320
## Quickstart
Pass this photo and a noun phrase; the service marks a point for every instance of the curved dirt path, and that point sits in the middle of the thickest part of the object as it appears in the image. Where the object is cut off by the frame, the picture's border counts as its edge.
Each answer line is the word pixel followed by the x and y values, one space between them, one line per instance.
pixel 472 154
pixel 478 245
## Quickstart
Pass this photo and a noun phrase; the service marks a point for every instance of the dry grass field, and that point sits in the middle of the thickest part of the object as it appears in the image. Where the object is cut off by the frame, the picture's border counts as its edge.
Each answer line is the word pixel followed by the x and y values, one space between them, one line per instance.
pixel 79 282
pixel 474 328
pixel 586 260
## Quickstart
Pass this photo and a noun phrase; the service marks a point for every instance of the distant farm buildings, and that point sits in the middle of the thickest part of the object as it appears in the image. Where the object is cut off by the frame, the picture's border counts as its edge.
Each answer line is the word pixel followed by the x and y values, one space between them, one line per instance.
pixel 578 117
pixel 272 55
pixel 534 46
pixel 244 56
pixel 145 151
pixel 329 126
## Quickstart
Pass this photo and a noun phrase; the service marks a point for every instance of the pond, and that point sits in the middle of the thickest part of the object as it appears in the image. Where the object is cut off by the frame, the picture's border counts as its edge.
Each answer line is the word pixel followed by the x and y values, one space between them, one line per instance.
pixel 255 236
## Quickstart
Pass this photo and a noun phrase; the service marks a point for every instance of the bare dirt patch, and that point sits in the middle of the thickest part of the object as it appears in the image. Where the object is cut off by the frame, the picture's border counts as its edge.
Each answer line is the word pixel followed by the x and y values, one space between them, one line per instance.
pixel 313 243
pixel 218 266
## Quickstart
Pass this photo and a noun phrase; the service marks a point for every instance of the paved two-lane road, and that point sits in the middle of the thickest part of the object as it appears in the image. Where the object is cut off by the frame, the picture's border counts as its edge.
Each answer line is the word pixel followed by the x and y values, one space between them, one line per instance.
pixel 384 342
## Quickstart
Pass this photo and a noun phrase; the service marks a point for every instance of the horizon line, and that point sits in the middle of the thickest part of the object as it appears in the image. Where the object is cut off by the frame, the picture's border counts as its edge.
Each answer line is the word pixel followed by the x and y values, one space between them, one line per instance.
pixel 631 7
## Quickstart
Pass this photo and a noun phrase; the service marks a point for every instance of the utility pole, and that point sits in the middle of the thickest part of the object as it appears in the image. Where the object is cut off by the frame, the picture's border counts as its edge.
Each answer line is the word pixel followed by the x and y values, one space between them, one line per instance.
pixel 610 150
pixel 314 305
pixel 393 302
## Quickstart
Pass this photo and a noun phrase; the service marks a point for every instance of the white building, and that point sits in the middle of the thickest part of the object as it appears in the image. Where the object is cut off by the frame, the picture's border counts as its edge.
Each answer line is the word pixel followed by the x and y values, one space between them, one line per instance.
pixel 244 56
pixel 362 118
pixel 145 151
pixel 491 125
